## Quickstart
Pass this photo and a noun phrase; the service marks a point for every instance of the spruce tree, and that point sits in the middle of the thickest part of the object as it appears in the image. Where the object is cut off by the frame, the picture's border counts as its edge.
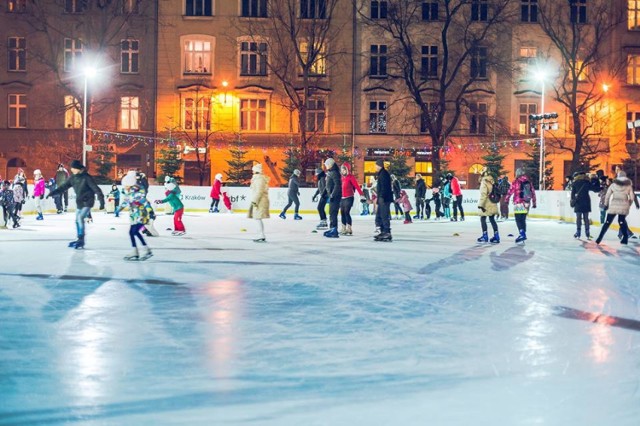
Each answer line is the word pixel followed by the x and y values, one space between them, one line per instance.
pixel 292 161
pixel 344 156
pixel 239 171
pixel 493 161
pixel 532 169
pixel 398 167
pixel 170 162
pixel 104 166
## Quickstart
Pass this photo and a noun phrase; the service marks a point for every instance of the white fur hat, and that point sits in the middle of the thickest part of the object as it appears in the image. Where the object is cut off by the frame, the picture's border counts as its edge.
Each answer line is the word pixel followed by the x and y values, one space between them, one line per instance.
pixel 37 172
pixel 257 168
pixel 129 179
pixel 329 162
pixel 219 176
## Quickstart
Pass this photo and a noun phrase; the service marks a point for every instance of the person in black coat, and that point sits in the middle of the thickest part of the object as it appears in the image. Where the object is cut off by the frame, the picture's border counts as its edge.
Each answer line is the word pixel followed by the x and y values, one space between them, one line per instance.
pixel 86 191
pixel 385 198
pixel 334 193
pixel 580 188
pixel 322 193
pixel 396 188
pixel 421 192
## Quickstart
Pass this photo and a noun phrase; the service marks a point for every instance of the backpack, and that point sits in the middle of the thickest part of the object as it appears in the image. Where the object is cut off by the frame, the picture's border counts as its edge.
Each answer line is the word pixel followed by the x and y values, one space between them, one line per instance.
pixel 494 195
pixel 525 191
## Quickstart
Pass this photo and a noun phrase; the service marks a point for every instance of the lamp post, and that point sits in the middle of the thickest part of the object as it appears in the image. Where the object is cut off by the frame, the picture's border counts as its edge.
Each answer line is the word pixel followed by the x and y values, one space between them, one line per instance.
pixel 634 126
pixel 541 77
pixel 88 73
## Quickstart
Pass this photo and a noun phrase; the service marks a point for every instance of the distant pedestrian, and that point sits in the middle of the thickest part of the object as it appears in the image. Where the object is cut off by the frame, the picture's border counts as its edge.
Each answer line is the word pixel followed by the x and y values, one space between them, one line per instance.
pixel 293 194
pixel 259 208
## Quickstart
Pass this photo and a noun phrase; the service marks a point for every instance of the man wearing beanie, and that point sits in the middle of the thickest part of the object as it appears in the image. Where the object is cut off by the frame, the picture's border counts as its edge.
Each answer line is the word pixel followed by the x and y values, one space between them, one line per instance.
pixel 86 190
pixel 334 192
pixel 385 198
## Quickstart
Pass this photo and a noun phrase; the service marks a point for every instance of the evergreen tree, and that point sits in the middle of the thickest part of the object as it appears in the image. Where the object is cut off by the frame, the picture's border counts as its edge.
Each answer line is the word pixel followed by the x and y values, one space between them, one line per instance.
pixel 239 171
pixel 345 156
pixel 493 161
pixel 532 169
pixel 104 166
pixel 170 162
pixel 398 167
pixel 292 162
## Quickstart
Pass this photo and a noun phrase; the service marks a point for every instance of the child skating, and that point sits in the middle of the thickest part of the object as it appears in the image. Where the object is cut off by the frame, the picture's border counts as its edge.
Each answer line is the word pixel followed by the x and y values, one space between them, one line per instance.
pixel 135 200
pixel 177 206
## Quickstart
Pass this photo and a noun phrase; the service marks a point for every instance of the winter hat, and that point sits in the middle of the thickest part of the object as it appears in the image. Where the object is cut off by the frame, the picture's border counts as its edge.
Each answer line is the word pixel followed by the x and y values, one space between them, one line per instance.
pixel 519 172
pixel 6 183
pixel 129 179
pixel 296 172
pixel 37 172
pixel 219 177
pixel 77 164
pixel 418 176
pixel 257 168
pixel 329 162
pixel 380 162
pixel 167 179
pixel 622 174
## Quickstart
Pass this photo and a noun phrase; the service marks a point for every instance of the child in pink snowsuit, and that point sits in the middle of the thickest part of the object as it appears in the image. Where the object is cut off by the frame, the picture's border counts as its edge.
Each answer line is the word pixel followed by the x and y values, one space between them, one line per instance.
pixel 406 206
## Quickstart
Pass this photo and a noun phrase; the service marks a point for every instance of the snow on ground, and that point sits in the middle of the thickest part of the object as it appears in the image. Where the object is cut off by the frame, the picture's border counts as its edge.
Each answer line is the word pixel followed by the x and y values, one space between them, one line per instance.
pixel 303 330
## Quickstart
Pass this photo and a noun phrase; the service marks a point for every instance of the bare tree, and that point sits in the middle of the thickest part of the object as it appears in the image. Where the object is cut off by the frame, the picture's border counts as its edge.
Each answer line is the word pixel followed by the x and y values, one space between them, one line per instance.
pixel 580 34
pixel 462 38
pixel 301 47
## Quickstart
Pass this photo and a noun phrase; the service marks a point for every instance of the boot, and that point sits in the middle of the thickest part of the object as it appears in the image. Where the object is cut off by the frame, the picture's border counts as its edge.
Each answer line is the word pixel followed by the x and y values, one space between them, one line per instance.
pixel 282 216
pixel 377 232
pixel 625 233
pixel 521 237
pixel 322 225
pixel 495 239
pixel 343 230
pixel 332 233
pixel 577 234
pixel 297 217
pixel 385 236
pixel 133 255
pixel 349 231
pixel 145 253
pixel 484 238
pixel 39 217
pixel 587 233
pixel 77 242
pixel 602 232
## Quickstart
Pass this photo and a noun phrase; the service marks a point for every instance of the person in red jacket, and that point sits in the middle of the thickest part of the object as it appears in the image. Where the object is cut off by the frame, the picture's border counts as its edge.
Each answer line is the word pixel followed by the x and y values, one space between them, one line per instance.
pixel 349 187
pixel 456 192
pixel 215 194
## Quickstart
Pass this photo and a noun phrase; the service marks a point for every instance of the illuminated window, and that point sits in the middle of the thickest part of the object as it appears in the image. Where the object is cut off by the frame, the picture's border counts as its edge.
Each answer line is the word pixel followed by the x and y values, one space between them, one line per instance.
pixel 17 47
pixel 129 56
pixel 253 115
pixel 424 167
pixel 319 63
pixel 129 113
pixel 378 117
pixel 581 70
pixel 632 117
pixel 633 69
pixel 633 15
pixel 524 125
pixel 72 53
pixel 18 111
pixel 196 114
pixel 17 6
pixel 72 116
pixel 197 56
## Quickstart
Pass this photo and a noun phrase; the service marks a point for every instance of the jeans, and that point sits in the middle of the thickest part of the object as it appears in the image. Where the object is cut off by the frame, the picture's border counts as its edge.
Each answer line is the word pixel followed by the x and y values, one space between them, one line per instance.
pixel 457 205
pixel 321 208
pixel 580 217
pixel 134 232
pixel 345 210
pixel 81 215
pixel 383 216
pixel 293 199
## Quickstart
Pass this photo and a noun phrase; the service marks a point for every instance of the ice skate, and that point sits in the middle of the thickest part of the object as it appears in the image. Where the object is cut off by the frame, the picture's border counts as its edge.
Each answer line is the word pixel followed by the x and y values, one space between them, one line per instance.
pixel 133 255
pixel 406 222
pixel 39 217
pixel 145 253
pixel 260 240
pixel 385 236
pixel 522 237
pixel 495 239
pixel 332 233
pixel 484 238
pixel 79 243
pixel 297 217
pixel 348 231
pixel 178 233
pixel 282 216
pixel 576 235
pixel 322 225
pixel 343 230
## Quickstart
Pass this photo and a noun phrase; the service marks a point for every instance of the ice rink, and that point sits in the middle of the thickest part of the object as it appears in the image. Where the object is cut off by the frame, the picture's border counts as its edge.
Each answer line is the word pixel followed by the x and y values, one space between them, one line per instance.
pixel 431 329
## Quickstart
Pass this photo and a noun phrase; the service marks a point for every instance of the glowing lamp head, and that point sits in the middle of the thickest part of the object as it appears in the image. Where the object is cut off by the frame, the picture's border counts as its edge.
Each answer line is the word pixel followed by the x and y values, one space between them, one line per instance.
pixel 605 87
pixel 90 71
pixel 225 83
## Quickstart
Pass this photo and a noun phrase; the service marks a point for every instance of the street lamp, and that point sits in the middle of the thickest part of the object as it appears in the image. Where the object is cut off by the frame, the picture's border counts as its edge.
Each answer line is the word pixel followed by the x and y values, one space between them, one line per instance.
pixel 88 73
pixel 541 76
pixel 634 126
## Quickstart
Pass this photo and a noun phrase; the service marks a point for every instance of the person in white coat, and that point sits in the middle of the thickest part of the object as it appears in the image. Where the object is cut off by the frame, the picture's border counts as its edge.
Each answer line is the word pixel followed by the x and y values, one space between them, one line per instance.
pixel 259 208
pixel 617 201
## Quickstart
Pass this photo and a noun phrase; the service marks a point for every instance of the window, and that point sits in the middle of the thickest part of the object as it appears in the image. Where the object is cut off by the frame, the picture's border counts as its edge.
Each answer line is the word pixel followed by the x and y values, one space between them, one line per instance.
pixel 319 64
pixel 378 9
pixel 527 57
pixel 378 117
pixel 253 58
pixel 581 70
pixel 74 6
pixel 131 7
pixel 198 8
pixel 378 60
pixel 17 54
pixel 313 9
pixel 631 117
pixel 18 111
pixel 72 53
pixel 253 115
pixel 479 10
pixel 17 6
pixel 316 114
pixel 578 11
pixel 72 116
pixel 129 113
pixel 430 11
pixel 197 56
pixel 129 55
pixel 529 11
pixel 196 113
pixel 479 62
pixel 633 69
pixel 524 125
pixel 424 118
pixel 254 8
pixel 429 62
pixel 478 118
pixel 633 15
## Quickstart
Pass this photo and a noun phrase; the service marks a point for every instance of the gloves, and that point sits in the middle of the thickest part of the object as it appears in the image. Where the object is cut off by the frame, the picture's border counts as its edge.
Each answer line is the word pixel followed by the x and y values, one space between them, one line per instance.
pixel 42 197
pixel 23 202
pixel 315 198
pixel 363 199
pixel 102 205
pixel 482 209
pixel 157 202
pixel 48 195
pixel 535 206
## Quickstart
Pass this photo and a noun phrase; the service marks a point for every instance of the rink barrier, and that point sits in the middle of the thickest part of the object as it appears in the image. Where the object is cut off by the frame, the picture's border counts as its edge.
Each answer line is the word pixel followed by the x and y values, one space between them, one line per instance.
pixel 552 205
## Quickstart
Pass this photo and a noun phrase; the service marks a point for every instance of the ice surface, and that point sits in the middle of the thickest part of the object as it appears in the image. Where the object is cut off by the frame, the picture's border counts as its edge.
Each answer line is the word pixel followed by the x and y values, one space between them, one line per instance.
pixel 430 329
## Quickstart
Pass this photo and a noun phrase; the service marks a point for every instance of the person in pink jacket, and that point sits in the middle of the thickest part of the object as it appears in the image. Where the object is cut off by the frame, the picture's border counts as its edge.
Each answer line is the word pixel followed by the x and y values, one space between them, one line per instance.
pixel 349 187
pixel 406 206
pixel 38 191
pixel 215 193
pixel 523 197
pixel 456 193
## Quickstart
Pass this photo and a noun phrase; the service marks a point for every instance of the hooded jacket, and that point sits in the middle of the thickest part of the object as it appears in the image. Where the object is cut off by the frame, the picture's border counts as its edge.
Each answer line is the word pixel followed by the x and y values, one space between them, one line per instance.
pixel 404 202
pixel 486 186
pixel 38 188
pixel 85 188
pixel 515 191
pixel 294 186
pixel 334 184
pixel 580 191
pixel 322 185
pixel 350 184
pixel 421 188
pixel 259 197
pixel 216 188
pixel 619 196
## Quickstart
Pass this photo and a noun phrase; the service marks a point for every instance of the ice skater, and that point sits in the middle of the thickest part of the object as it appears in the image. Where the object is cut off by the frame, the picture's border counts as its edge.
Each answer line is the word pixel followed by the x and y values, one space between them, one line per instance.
pixel 321 197
pixel 349 187
pixel 581 201
pixel 446 198
pixel 173 199
pixel 404 202
pixel 61 176
pixel 114 195
pixel 385 198
pixel 488 209
pixel 8 205
pixel 18 198
pixel 617 201
pixel 86 191
pixel 456 197
pixel 523 197
pixel 364 203
pixel 215 193
pixel 57 200
pixel 293 193
pixel 334 192
pixel 421 192
pixel 259 208
pixel 395 186
pixel 135 199
pixel 503 188
pixel 38 192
